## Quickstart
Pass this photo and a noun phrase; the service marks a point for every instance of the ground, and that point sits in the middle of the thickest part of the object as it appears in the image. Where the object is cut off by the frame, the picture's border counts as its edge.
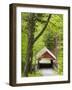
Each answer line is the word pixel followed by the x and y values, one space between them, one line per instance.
pixel 48 72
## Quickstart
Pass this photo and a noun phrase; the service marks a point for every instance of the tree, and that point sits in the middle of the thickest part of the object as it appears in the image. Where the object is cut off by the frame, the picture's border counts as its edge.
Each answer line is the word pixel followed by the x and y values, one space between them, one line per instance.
pixel 54 37
pixel 55 34
pixel 30 31
pixel 32 18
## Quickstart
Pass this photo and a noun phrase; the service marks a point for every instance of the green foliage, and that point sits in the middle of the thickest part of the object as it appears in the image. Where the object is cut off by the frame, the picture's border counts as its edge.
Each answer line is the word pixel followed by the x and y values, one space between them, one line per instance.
pixel 60 62
pixel 53 30
pixel 24 40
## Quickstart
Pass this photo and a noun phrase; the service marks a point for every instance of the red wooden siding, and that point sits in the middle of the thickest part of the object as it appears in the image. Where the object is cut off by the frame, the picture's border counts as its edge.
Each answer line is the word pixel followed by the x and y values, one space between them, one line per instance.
pixel 47 55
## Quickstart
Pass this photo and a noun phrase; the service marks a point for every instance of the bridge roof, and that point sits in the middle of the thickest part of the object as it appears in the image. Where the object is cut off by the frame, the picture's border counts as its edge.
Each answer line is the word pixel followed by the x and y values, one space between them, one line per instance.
pixel 45 53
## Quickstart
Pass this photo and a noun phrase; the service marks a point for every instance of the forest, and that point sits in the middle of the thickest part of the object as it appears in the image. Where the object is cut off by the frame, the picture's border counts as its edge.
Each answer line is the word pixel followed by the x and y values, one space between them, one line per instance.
pixel 39 30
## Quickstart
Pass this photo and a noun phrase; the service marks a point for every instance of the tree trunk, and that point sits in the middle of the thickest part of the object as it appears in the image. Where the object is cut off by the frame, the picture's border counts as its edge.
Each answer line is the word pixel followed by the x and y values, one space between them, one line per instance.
pixel 31 29
pixel 56 49
pixel 46 23
pixel 31 41
pixel 56 46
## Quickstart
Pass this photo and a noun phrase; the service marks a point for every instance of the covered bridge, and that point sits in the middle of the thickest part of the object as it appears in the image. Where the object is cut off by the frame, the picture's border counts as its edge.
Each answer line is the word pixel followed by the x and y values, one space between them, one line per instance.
pixel 46 59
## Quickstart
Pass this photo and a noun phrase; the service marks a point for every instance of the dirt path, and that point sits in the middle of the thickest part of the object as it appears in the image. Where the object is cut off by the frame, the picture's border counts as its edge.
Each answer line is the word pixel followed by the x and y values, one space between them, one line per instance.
pixel 48 72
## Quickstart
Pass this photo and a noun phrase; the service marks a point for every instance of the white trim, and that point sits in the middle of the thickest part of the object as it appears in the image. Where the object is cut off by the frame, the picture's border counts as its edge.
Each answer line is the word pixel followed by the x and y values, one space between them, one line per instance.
pixel 42 51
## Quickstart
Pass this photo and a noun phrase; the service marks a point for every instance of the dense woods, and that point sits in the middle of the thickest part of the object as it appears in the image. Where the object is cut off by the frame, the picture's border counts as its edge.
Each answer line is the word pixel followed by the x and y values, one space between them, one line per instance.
pixel 40 30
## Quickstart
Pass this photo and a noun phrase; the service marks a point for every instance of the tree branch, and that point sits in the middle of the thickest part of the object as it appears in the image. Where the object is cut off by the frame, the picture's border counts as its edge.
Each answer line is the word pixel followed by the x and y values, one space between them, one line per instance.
pixel 43 28
pixel 42 21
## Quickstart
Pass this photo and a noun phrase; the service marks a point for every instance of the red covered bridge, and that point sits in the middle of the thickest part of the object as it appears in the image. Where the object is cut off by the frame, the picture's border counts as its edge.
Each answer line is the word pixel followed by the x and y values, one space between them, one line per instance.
pixel 46 59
